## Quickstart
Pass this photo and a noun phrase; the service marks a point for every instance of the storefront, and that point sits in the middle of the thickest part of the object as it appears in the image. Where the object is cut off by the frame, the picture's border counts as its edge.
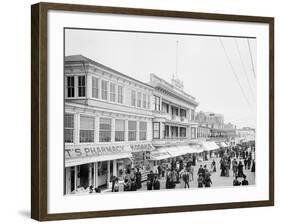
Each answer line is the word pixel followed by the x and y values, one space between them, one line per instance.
pixel 87 165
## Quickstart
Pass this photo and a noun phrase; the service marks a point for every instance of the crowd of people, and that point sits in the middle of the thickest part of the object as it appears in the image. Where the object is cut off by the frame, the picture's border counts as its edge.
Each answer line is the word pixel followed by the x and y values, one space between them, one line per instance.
pixel 231 162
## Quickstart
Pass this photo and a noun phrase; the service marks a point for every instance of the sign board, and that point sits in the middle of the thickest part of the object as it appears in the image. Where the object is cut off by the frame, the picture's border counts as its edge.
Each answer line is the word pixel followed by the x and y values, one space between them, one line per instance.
pixel 86 150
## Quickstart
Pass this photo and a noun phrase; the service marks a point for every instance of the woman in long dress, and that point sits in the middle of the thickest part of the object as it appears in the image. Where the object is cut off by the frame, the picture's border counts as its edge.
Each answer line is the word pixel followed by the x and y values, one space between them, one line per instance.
pixel 240 170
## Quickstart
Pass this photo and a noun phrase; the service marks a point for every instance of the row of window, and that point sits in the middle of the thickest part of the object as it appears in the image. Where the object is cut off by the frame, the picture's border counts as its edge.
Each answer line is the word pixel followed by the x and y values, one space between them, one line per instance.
pixel 116 94
pixel 87 129
pixel 70 85
pixel 115 91
pixel 140 100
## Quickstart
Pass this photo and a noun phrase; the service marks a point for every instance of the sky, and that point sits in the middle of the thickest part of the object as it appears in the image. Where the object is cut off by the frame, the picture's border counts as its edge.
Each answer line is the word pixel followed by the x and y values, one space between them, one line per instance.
pixel 218 71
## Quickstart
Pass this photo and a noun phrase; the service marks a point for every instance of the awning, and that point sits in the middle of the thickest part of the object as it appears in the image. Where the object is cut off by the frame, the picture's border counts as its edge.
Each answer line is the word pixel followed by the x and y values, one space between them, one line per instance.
pixel 208 146
pixel 222 144
pixel 227 144
pixel 159 154
pixel 169 152
pixel 99 158
pixel 177 151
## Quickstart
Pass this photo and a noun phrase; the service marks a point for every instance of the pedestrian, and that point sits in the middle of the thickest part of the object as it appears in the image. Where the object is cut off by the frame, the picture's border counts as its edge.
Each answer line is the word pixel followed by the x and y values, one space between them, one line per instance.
pixel 138 178
pixel 240 169
pixel 249 162
pixel 246 163
pixel 253 166
pixel 114 179
pixel 127 186
pixel 205 171
pixel 222 167
pixel 168 179
pixel 227 167
pixel 236 182
pixel 200 170
pixel 193 160
pixel 244 181
pixel 159 170
pixel 185 178
pixel 133 185
pixel 149 185
pixel 213 166
pixel 208 180
pixel 156 183
pixel 235 167
pixel 200 181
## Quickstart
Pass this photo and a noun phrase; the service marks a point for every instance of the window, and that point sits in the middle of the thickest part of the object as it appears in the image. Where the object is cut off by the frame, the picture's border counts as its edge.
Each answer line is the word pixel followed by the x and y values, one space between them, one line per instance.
pixel 70 86
pixel 156 130
pixel 148 102
pixel 105 130
pixel 120 94
pixel 143 130
pixel 139 100
pixel 182 132
pixel 87 127
pixel 193 132
pixel 68 128
pixel 165 108
pixel 112 92
pixel 192 115
pixel 156 103
pixel 166 131
pixel 104 89
pixel 132 130
pixel 144 100
pixel 95 87
pixel 119 130
pixel 133 98
pixel 81 86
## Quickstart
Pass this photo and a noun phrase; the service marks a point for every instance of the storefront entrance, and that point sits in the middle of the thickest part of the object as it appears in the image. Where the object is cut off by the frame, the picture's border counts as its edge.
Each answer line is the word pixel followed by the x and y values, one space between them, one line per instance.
pixel 84 176
pixel 72 179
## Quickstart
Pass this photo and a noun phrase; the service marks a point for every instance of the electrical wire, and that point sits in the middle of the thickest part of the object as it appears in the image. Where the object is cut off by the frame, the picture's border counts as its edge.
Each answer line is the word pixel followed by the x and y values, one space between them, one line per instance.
pixel 244 69
pixel 235 74
pixel 252 62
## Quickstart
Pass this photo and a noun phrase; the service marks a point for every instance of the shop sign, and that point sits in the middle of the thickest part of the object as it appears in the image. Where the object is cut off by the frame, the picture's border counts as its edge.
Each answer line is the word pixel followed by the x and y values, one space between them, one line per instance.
pixel 85 151
pixel 141 147
pixel 79 151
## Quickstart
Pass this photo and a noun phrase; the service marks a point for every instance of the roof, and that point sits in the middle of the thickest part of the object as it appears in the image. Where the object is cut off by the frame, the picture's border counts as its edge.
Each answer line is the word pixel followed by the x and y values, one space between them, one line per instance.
pixel 83 59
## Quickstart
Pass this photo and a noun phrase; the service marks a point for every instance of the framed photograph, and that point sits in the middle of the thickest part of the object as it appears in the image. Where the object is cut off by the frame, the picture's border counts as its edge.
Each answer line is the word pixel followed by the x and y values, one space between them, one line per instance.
pixel 141 111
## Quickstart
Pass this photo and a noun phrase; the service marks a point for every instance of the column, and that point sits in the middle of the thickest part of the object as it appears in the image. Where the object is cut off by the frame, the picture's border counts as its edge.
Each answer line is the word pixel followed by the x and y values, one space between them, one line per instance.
pixel 108 173
pixel 126 130
pixel 90 175
pixel 170 131
pixel 138 131
pixel 75 178
pixel 67 184
pixel 178 134
pixel 76 139
pixel 115 168
pixel 95 175
pixel 89 86
pixel 97 129
pixel 113 130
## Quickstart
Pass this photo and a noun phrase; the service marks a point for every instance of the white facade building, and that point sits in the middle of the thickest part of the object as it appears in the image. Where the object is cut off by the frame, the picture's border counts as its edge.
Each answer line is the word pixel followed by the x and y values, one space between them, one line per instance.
pixel 114 122
pixel 108 123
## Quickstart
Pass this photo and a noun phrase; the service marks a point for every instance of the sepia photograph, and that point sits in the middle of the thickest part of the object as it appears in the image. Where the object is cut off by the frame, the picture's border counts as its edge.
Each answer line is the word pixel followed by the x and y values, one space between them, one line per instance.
pixel 148 111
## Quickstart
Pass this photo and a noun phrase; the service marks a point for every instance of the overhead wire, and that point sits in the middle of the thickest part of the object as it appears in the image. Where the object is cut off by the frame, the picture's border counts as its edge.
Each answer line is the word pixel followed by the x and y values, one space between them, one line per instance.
pixel 234 72
pixel 251 56
pixel 244 69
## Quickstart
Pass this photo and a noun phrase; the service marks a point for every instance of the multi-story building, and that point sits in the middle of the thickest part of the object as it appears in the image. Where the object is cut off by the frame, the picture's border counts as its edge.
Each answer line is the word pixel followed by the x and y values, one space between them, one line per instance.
pixel 246 133
pixel 113 122
pixel 108 123
pixel 173 113
pixel 213 121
